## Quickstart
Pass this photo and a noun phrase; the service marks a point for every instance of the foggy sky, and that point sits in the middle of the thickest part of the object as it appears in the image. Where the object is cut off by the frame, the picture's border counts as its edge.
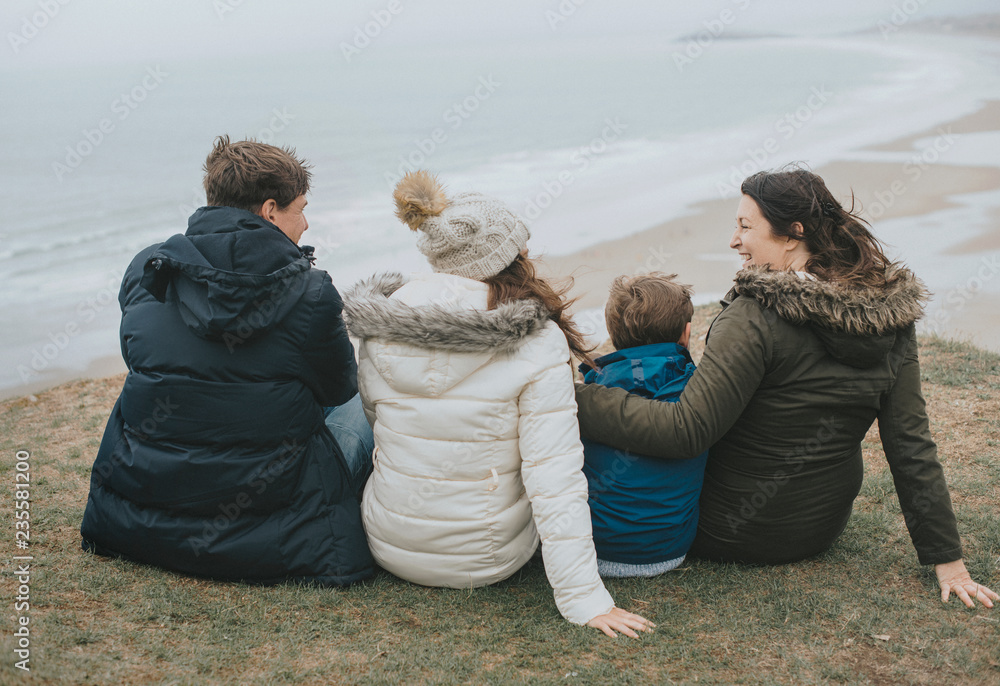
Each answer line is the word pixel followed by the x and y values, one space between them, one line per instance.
pixel 75 32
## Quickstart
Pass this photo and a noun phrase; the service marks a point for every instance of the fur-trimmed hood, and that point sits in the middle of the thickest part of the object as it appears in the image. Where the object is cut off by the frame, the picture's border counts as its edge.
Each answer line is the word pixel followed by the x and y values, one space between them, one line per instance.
pixel 370 313
pixel 857 325
pixel 854 311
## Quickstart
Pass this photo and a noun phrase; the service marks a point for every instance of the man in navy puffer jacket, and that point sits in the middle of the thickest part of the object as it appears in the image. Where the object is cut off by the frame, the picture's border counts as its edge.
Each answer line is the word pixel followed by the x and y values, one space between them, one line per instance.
pixel 218 459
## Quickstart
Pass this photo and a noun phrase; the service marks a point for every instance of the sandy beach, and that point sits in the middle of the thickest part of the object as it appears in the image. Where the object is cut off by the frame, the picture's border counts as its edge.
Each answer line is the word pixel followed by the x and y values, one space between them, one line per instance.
pixel 696 246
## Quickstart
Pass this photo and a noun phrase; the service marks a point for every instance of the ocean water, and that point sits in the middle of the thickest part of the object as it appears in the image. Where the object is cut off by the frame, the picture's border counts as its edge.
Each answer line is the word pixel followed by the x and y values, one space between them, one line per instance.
pixel 589 140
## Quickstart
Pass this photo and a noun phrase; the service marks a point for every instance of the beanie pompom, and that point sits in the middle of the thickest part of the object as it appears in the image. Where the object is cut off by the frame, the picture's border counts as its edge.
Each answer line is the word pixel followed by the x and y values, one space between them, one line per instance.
pixel 418 196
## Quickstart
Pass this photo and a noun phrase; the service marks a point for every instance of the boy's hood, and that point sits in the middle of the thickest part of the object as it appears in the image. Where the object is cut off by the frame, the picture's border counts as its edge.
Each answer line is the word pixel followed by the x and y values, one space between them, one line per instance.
pixel 443 316
pixel 658 370
pixel 232 274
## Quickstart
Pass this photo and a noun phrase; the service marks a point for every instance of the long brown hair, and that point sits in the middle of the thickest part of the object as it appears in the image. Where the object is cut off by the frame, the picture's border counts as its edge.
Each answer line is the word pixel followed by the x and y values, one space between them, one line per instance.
pixel 519 281
pixel 839 242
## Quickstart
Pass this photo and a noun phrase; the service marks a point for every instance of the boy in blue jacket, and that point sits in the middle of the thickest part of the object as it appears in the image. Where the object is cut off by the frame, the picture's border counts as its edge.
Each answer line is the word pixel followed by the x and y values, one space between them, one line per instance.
pixel 644 510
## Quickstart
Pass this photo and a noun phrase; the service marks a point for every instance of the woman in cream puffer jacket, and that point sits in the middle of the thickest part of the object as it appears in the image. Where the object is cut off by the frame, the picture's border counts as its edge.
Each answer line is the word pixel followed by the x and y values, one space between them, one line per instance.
pixel 478 454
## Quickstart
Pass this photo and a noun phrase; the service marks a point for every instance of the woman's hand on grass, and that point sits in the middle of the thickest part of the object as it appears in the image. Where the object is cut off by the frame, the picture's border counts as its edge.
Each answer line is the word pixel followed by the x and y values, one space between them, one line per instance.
pixel 620 620
pixel 953 577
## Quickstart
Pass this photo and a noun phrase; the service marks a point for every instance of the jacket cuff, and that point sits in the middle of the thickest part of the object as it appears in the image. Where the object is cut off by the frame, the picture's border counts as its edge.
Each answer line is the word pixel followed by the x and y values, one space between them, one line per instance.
pixel 940 557
pixel 582 610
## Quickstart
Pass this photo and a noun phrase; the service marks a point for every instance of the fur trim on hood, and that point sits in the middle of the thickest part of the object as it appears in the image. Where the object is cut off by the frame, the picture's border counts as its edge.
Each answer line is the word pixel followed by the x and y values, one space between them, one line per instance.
pixel 370 313
pixel 853 311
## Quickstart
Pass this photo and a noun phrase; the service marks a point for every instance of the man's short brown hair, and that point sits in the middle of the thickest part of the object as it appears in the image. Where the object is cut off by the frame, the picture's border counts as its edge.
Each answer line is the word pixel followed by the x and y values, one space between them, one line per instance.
pixel 646 309
pixel 245 174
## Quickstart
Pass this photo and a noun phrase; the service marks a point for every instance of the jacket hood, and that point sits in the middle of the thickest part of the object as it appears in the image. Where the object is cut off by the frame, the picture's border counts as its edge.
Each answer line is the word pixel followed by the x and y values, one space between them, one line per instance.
pixel 370 313
pixel 658 370
pixel 445 318
pixel 232 273
pixel 858 326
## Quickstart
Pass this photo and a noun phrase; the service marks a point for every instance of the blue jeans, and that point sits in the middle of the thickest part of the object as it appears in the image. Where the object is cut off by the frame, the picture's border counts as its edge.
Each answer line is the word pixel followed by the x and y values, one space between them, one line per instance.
pixel 349 426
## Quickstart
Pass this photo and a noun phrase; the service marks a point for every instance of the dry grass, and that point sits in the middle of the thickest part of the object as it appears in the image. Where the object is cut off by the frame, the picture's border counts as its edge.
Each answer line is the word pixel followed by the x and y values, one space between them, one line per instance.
pixel 863 613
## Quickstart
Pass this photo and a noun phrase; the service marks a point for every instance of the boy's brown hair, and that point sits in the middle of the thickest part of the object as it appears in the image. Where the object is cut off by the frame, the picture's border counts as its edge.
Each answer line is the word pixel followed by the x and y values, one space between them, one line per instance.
pixel 245 174
pixel 646 309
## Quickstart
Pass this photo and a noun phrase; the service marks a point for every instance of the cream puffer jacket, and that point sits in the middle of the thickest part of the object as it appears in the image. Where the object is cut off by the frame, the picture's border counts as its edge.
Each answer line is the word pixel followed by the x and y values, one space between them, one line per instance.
pixel 478 451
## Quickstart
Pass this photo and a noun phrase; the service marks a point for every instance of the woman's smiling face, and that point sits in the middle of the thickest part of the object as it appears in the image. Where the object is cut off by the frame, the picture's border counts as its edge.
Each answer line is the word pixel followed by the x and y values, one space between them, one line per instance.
pixel 754 239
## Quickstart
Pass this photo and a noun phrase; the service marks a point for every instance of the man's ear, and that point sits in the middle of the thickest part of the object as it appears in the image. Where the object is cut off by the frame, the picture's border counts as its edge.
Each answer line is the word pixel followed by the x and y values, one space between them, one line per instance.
pixel 685 338
pixel 268 209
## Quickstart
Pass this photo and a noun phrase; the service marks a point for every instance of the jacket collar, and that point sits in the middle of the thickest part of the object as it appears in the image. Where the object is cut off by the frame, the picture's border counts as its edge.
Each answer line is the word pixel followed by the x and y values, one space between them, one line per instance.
pixel 655 350
pixel 221 219
pixel 659 370
pixel 217 220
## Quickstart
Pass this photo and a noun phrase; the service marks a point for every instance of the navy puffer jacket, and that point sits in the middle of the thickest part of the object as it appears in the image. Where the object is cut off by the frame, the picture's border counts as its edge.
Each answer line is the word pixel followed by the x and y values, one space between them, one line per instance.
pixel 216 460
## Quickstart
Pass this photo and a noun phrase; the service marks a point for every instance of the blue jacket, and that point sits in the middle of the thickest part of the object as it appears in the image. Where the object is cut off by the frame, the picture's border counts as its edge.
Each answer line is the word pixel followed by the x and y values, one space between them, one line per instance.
pixel 216 460
pixel 644 510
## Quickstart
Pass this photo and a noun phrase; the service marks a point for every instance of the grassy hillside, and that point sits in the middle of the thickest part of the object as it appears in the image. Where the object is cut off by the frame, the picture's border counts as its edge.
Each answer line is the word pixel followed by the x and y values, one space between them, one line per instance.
pixel 865 612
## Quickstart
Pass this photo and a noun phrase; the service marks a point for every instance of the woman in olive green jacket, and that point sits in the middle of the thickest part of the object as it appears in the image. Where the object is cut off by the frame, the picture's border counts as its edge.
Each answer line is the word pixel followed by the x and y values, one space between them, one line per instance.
pixel 815 343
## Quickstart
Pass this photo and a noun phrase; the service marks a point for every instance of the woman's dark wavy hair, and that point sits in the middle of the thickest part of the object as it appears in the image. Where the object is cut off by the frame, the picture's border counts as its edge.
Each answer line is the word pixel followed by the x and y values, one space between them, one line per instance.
pixel 841 246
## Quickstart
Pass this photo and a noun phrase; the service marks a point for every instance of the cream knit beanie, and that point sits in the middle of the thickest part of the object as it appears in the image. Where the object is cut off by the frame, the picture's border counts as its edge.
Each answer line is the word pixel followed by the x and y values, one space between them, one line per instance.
pixel 470 235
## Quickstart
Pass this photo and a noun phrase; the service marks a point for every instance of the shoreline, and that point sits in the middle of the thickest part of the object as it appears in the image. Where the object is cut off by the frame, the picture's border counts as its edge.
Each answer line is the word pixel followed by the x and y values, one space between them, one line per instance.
pixel 695 244
pixel 101 368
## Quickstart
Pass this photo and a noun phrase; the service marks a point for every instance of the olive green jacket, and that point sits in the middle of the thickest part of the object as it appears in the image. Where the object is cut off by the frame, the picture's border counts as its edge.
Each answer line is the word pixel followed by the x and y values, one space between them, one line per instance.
pixel 794 373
